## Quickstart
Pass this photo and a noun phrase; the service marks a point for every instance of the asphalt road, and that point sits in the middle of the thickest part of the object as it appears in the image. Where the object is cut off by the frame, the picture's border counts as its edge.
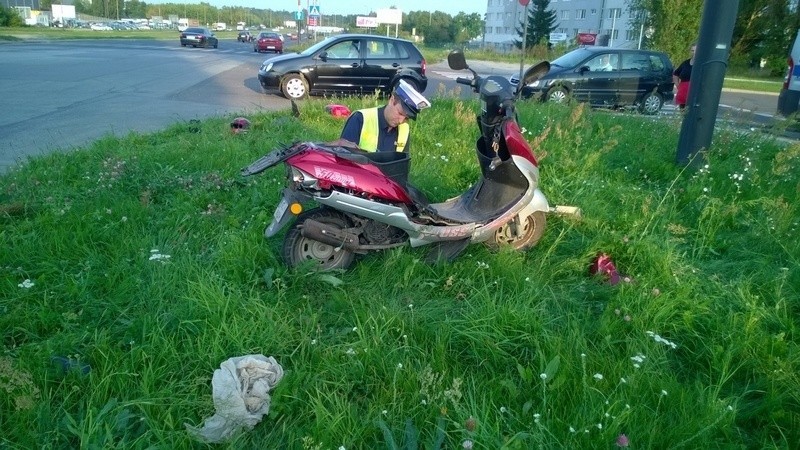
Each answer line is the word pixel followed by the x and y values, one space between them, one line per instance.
pixel 58 95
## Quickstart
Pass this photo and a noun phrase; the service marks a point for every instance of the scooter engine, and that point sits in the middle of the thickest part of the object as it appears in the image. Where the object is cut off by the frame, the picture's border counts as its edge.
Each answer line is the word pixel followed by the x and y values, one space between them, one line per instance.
pixel 377 233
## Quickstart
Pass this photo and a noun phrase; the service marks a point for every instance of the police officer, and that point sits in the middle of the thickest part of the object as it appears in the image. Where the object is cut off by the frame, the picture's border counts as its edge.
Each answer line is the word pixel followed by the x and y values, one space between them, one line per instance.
pixel 385 128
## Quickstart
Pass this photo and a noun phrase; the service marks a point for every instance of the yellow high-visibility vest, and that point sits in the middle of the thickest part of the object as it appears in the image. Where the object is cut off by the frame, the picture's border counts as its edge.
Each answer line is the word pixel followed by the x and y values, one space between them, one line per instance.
pixel 369 132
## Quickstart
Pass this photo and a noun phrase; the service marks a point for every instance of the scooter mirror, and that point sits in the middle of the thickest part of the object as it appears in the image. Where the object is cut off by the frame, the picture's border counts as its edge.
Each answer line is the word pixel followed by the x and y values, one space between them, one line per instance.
pixel 535 72
pixel 456 60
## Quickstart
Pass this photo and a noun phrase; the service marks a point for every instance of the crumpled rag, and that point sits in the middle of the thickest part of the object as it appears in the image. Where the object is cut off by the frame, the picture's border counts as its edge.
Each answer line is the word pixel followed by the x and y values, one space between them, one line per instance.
pixel 240 388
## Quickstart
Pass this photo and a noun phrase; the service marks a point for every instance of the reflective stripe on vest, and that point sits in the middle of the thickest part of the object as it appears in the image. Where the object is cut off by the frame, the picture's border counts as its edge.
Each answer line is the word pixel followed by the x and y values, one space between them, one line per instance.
pixel 369 132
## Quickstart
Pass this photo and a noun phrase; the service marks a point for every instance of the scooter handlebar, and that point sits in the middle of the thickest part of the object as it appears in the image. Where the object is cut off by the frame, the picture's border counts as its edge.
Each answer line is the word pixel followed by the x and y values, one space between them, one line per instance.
pixel 462 80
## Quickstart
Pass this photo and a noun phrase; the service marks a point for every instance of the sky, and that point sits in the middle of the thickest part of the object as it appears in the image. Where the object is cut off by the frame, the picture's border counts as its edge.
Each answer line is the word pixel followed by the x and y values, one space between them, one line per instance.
pixel 361 6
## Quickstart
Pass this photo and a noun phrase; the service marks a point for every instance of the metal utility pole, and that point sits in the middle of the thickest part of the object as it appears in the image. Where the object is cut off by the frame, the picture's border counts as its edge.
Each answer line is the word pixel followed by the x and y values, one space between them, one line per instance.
pixel 708 73
pixel 524 4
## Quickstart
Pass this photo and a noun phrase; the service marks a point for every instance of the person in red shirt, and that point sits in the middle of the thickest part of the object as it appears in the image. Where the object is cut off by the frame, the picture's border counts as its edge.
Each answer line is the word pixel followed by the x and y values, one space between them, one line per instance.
pixel 681 76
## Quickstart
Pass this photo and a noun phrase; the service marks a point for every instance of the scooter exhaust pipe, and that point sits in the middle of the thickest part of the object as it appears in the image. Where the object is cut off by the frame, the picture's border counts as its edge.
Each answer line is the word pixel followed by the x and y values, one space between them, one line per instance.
pixel 332 236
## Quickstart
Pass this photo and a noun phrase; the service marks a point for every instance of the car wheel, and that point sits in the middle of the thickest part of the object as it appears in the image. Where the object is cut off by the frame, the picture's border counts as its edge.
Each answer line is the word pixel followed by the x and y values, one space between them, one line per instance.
pixel 294 86
pixel 651 103
pixel 255 50
pixel 216 44
pixel 558 95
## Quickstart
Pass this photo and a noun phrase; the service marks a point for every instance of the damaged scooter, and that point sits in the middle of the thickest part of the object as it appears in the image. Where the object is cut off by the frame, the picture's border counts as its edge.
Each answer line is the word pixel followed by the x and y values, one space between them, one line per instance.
pixel 343 201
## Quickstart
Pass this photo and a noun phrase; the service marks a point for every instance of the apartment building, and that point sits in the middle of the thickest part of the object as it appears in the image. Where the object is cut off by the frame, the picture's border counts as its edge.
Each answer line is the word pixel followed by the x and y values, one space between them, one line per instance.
pixel 609 21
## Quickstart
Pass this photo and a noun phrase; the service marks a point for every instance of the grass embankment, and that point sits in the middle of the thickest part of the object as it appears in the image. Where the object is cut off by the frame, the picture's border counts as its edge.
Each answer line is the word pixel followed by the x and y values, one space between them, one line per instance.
pixel 142 261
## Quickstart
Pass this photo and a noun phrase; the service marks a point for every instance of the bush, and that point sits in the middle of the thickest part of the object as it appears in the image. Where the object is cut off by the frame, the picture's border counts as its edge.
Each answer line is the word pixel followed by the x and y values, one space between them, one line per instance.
pixel 10 18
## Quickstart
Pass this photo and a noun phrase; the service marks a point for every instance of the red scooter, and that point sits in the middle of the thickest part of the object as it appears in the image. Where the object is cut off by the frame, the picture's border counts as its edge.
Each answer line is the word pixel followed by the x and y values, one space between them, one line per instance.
pixel 361 201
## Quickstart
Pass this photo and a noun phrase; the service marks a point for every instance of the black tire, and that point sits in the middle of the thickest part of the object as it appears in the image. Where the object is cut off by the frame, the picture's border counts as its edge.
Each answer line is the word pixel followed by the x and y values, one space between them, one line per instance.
pixel 532 231
pixel 216 44
pixel 298 250
pixel 558 95
pixel 651 103
pixel 294 86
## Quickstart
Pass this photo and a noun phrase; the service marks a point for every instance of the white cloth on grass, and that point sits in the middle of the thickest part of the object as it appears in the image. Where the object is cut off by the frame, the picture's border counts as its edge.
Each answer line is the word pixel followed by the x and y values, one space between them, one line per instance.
pixel 240 388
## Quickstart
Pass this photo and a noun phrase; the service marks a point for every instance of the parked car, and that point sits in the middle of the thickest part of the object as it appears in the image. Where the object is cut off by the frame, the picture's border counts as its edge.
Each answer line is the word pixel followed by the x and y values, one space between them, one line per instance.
pixel 268 42
pixel 640 78
pixel 244 36
pixel 346 63
pixel 198 37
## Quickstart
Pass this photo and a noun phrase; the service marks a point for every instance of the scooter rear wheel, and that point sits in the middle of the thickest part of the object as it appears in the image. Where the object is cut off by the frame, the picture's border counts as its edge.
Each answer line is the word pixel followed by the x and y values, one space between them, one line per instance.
pixel 298 249
pixel 528 236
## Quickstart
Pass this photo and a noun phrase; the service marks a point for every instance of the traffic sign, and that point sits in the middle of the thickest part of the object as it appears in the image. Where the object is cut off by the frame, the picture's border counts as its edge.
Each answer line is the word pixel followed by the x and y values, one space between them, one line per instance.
pixel 313 10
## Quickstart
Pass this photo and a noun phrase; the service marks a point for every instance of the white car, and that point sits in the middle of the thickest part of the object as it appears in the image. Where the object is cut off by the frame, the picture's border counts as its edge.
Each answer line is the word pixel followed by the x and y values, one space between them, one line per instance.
pixel 100 27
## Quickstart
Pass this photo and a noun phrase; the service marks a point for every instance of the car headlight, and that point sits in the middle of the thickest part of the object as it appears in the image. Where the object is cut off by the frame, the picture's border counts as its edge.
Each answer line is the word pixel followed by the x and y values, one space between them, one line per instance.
pixel 535 83
pixel 266 67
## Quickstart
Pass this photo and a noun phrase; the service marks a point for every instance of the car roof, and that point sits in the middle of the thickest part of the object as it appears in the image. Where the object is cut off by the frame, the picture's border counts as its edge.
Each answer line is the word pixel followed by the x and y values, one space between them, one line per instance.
pixel 595 49
pixel 370 36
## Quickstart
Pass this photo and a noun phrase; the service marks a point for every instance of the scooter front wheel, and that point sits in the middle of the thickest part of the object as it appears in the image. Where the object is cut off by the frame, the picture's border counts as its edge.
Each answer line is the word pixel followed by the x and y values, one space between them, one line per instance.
pixel 298 249
pixel 524 238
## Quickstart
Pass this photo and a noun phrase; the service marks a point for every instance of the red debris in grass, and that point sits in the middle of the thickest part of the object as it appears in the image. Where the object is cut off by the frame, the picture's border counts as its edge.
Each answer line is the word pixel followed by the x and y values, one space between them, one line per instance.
pixel 338 110
pixel 603 265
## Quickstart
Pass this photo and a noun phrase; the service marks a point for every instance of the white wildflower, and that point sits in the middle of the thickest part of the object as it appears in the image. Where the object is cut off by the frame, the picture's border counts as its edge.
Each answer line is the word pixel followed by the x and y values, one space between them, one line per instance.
pixel 27 284
pixel 598 376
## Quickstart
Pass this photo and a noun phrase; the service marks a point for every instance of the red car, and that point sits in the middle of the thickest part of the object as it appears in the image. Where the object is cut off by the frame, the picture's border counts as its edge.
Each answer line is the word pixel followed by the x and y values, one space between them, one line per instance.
pixel 268 42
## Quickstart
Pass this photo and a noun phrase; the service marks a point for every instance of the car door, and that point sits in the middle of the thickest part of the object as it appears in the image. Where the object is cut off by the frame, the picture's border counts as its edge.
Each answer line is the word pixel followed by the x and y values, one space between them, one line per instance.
pixel 339 67
pixel 597 83
pixel 637 77
pixel 382 60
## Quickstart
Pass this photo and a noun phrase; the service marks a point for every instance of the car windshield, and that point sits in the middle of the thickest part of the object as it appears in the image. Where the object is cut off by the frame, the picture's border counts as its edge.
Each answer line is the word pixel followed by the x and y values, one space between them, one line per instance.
pixel 194 30
pixel 572 58
pixel 319 45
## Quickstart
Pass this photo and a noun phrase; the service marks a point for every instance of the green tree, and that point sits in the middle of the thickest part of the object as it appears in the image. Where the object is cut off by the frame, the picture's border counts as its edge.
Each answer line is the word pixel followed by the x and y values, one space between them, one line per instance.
pixel 674 24
pixel 465 27
pixel 541 23
pixel 10 18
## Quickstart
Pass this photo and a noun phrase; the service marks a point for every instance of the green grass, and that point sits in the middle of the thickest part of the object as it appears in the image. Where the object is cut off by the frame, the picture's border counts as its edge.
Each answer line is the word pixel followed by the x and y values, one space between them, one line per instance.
pixel 753 84
pixel 508 350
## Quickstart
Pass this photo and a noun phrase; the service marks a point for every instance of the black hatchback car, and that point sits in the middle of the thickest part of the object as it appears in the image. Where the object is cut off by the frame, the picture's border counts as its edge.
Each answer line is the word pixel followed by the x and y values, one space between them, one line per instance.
pixel 607 77
pixel 346 64
pixel 198 37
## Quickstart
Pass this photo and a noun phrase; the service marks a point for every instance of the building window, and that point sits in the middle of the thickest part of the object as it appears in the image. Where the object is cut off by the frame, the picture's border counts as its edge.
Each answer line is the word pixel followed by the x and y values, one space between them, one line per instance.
pixel 594 12
pixel 580 13
pixel 614 13
pixel 565 15
pixel 498 30
pixel 630 35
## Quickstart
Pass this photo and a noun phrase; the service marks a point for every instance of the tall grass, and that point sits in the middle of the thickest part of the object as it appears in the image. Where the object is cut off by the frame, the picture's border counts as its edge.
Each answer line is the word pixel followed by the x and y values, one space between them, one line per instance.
pixel 140 261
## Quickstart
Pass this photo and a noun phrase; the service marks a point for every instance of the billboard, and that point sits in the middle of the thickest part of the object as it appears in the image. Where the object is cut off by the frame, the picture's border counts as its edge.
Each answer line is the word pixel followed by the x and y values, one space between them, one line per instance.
pixel 63 12
pixel 366 22
pixel 390 16
pixel 587 38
